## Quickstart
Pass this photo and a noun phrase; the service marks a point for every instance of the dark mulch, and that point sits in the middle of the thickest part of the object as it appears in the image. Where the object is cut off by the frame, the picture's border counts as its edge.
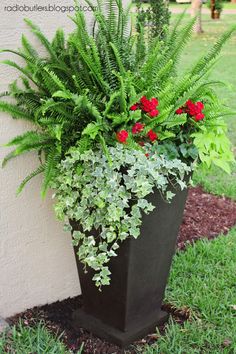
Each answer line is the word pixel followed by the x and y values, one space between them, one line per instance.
pixel 57 317
pixel 205 216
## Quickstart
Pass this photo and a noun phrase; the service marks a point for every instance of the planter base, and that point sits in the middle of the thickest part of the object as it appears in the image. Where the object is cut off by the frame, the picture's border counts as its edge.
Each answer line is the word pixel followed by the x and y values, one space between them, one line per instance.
pixel 112 334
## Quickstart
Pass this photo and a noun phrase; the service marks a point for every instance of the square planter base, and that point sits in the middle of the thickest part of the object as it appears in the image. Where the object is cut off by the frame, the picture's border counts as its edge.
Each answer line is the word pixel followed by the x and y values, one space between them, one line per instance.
pixel 112 334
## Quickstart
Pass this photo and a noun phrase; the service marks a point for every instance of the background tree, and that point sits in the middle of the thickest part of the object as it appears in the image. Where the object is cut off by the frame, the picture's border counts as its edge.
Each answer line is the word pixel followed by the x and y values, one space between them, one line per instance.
pixel 156 17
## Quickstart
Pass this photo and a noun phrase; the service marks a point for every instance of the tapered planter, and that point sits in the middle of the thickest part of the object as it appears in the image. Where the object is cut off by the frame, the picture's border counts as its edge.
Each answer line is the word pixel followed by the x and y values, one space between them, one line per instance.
pixel 130 307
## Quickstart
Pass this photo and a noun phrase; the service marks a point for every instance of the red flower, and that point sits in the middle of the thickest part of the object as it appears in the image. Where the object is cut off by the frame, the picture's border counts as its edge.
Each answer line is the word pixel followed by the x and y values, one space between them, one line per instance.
pixel 122 136
pixel 134 107
pixel 137 128
pixel 149 106
pixel 190 104
pixel 152 135
pixel 199 116
pixel 179 111
pixel 145 104
pixel 144 100
pixel 147 155
pixel 200 106
pixel 154 113
pixel 154 101
pixel 191 108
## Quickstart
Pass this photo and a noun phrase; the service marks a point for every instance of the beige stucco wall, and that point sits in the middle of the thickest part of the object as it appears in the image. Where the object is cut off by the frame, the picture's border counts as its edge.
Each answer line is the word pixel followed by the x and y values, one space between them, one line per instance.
pixel 37 264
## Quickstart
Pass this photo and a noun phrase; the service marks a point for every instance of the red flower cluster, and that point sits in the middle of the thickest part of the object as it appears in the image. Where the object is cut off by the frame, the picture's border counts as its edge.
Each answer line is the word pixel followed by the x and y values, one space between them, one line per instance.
pixel 152 135
pixel 137 128
pixel 122 136
pixel 150 107
pixel 193 109
pixel 147 106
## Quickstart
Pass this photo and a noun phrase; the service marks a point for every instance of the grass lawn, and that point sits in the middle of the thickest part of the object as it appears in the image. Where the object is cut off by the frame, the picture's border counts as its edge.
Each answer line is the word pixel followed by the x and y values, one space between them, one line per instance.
pixel 32 340
pixel 27 340
pixel 203 278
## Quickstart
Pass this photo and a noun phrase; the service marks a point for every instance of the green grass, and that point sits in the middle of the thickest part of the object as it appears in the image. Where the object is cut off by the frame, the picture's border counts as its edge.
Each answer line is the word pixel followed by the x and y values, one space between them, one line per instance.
pixel 203 279
pixel 229 5
pixel 31 340
pixel 216 181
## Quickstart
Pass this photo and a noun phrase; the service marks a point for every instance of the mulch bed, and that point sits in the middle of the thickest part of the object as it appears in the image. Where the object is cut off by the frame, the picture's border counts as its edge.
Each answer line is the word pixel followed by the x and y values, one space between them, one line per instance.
pixel 57 317
pixel 205 216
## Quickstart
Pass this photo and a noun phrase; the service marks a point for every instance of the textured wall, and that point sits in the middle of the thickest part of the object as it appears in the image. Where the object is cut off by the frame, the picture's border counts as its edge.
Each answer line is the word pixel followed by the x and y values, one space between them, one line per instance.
pixel 37 265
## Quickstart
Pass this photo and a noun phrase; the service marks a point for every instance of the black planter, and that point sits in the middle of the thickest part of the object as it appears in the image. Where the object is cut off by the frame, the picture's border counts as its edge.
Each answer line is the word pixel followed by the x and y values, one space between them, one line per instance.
pixel 130 307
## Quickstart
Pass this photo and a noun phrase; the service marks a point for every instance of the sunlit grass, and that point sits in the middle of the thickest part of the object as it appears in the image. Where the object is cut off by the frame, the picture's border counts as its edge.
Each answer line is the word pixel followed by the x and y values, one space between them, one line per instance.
pixel 203 278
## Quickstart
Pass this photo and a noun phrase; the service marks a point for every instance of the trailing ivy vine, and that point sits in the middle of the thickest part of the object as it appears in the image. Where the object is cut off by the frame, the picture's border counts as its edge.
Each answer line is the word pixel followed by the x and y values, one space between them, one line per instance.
pixel 107 199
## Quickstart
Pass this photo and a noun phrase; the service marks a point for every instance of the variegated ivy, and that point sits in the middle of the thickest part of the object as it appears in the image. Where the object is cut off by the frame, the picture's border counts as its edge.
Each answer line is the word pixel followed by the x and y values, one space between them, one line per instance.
pixel 106 198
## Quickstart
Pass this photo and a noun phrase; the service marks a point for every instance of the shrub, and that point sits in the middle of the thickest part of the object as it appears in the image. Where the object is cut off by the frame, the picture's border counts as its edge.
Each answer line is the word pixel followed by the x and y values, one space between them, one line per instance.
pixel 218 5
pixel 155 17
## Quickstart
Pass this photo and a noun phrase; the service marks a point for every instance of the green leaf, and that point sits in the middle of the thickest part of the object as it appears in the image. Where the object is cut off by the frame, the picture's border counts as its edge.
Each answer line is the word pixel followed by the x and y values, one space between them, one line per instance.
pixel 92 130
pixel 222 164
pixel 165 135
pixel 177 120
pixel 36 172
pixel 15 111
pixel 63 94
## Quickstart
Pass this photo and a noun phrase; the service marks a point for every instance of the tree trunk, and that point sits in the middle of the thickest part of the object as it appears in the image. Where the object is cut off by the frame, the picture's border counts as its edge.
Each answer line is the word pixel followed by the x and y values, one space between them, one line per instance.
pixel 212 9
pixel 196 10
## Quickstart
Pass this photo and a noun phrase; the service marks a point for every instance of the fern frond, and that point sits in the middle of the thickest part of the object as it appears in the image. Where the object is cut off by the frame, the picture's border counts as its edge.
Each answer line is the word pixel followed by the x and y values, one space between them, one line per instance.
pixel 206 60
pixel 53 81
pixel 15 111
pixel 24 71
pixel 52 159
pixel 83 103
pixel 45 42
pixel 26 142
pixel 173 33
pixel 28 49
pixel 118 59
pixel 33 174
pixel 58 42
pixel 30 137
pixel 181 39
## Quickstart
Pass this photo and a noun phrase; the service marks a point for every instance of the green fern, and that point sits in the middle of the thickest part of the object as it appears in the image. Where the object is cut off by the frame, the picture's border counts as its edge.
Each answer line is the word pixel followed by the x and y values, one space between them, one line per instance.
pixel 53 157
pixel 33 174
pixel 44 41
pixel 15 111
